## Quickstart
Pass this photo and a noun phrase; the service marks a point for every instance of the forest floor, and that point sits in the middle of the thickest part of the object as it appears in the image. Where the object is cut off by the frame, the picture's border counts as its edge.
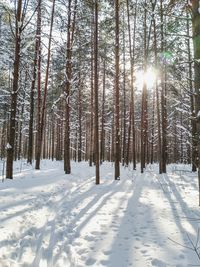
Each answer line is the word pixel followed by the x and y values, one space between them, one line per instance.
pixel 49 219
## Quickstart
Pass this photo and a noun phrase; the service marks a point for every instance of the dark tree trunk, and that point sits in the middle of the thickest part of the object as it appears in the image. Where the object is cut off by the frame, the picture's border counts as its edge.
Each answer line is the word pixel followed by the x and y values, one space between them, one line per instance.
pixel 96 102
pixel 70 35
pixel 91 159
pixel 117 104
pixel 196 37
pixel 14 95
pixel 80 120
pixel 102 151
pixel 144 99
pixel 163 99
pixel 31 114
pixel 192 107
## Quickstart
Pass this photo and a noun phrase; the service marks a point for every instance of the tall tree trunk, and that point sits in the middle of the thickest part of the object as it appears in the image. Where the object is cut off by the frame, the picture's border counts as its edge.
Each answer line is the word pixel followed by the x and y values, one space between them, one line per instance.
pixel 156 86
pixel 102 151
pixel 96 102
pixel 117 104
pixel 79 119
pixel 39 59
pixel 192 107
pixel 144 99
pixel 123 119
pixel 132 62
pixel 91 159
pixel 153 129
pixel 129 138
pixel 31 114
pixel 163 99
pixel 43 112
pixel 53 137
pixel 14 94
pixel 70 36
pixel 196 38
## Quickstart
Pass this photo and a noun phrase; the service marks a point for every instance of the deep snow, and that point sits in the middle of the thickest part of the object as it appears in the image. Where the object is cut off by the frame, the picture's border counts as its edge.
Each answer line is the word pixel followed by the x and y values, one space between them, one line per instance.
pixel 49 219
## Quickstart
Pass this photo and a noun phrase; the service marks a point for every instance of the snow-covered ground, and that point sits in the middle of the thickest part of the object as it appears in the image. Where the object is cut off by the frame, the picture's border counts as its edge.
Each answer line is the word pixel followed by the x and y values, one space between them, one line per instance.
pixel 49 219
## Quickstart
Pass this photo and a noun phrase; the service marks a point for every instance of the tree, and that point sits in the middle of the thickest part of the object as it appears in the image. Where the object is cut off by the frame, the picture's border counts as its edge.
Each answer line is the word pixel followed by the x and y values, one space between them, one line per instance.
pixel 117 104
pixel 96 101
pixel 196 43
pixel 68 82
pixel 37 57
pixel 19 19
pixel 41 122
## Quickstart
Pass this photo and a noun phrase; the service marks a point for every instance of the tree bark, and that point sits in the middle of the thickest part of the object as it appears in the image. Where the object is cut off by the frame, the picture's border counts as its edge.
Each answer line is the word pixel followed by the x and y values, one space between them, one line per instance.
pixel 196 43
pixel 70 35
pixel 144 99
pixel 96 101
pixel 14 94
pixel 31 114
pixel 102 151
pixel 117 113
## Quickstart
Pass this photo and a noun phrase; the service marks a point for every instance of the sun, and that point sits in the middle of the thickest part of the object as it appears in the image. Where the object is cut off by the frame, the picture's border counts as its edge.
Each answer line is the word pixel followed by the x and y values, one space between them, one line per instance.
pixel 148 77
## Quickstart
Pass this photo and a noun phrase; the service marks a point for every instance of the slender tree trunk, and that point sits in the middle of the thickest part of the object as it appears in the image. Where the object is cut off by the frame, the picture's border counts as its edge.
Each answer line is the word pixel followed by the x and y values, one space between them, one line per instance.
pixel 39 59
pixel 31 114
pixel 163 99
pixel 96 101
pixel 70 35
pixel 196 37
pixel 193 123
pixel 53 137
pixel 123 112
pixel 144 99
pixel 3 139
pixel 102 151
pixel 19 152
pixel 156 88
pixel 80 120
pixel 14 95
pixel 153 129
pixel 42 122
pixel 129 138
pixel 117 104
pixel 132 62
pixel 92 96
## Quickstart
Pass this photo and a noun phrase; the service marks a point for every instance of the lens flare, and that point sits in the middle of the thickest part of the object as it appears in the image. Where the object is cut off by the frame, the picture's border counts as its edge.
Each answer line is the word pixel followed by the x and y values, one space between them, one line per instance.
pixel 148 77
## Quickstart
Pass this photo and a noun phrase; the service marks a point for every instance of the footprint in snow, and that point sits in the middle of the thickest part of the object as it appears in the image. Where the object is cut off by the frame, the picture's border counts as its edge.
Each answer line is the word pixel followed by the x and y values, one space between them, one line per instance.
pixel 95 233
pixel 181 256
pixel 89 238
pixel 90 261
pixel 82 251
pixel 107 252
pixel 158 263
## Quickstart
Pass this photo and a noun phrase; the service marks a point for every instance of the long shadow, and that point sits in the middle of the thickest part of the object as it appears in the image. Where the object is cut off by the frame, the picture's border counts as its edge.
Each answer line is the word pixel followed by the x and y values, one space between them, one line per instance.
pixel 174 192
pixel 29 234
pixel 64 202
pixel 179 219
pixel 140 235
pixel 130 231
pixel 72 233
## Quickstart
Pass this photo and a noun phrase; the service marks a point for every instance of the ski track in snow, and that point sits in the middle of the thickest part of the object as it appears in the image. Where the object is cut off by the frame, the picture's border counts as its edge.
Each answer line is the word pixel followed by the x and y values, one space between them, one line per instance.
pixel 49 219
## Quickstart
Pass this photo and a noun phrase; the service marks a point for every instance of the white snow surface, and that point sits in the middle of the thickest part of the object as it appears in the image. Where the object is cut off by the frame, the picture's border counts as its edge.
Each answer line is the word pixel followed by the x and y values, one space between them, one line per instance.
pixel 50 219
